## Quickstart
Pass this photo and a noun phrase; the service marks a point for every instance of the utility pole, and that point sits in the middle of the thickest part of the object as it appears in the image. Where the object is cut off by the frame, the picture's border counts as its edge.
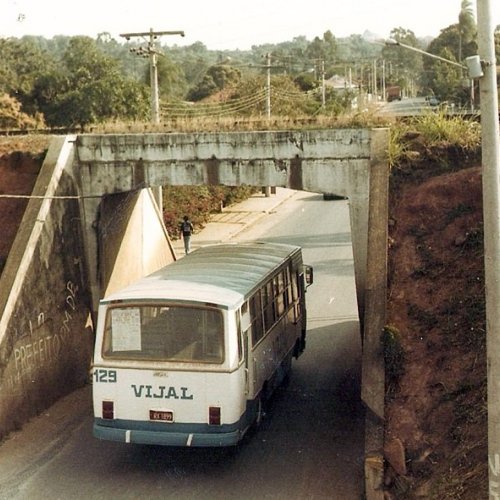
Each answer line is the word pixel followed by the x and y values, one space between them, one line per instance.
pixel 268 85
pixel 151 52
pixel 472 95
pixel 323 90
pixel 384 96
pixel 491 216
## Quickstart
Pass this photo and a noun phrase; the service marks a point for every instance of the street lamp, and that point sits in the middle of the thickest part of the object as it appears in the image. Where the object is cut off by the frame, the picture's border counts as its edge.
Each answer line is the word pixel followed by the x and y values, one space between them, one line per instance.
pixel 392 42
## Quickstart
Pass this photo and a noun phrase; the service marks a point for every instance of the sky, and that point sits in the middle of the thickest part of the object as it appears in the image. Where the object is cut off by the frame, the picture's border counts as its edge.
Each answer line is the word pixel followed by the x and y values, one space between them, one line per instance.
pixel 230 24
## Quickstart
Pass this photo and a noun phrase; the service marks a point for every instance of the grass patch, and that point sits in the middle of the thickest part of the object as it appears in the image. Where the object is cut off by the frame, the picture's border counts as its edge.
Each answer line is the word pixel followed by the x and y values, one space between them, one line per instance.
pixel 432 143
pixel 356 119
pixel 394 356
pixel 465 473
pixel 439 129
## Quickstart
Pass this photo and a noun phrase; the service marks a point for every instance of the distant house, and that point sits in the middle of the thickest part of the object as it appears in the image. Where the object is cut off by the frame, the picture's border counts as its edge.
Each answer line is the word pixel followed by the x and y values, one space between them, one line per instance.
pixel 341 84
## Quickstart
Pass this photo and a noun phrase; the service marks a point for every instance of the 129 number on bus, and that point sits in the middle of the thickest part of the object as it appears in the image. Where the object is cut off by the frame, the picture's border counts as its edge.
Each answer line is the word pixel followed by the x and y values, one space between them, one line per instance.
pixel 106 376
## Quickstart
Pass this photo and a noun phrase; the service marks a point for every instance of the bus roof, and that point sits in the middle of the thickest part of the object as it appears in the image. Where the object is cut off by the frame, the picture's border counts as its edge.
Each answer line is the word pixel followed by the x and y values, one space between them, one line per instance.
pixel 223 274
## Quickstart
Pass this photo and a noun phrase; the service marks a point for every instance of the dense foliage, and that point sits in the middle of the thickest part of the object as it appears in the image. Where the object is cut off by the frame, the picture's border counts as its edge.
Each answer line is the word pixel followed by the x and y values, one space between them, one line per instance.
pixel 198 202
pixel 79 81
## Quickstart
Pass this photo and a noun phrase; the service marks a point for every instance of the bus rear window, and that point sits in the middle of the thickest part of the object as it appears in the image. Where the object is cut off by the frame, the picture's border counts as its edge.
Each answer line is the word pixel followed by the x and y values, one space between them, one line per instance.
pixel 164 333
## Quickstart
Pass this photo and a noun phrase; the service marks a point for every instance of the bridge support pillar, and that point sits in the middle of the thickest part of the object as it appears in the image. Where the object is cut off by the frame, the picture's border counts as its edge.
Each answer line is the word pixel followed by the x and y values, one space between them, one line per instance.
pixel 90 219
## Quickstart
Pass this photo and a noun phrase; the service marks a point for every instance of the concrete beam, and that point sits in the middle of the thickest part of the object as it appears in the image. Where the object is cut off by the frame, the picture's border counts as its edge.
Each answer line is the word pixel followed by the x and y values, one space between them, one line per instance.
pixel 307 160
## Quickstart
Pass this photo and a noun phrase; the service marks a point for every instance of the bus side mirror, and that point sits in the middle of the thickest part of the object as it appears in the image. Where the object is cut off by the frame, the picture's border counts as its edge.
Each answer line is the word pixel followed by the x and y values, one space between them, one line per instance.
pixel 309 274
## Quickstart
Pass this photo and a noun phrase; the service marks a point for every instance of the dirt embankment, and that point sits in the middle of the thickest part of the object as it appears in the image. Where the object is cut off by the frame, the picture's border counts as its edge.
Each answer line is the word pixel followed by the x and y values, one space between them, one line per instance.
pixel 17 177
pixel 20 163
pixel 436 430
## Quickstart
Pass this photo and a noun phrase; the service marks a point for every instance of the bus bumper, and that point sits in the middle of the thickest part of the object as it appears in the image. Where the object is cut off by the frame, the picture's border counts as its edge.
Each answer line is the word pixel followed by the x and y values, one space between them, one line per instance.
pixel 167 438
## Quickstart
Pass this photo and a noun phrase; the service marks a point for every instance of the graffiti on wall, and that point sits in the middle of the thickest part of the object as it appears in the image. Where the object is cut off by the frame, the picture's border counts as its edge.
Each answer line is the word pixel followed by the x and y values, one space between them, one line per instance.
pixel 44 342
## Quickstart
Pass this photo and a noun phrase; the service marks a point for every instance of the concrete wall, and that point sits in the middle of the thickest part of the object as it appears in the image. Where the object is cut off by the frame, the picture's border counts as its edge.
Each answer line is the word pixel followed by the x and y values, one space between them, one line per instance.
pixel 374 321
pixel 45 344
pixel 133 241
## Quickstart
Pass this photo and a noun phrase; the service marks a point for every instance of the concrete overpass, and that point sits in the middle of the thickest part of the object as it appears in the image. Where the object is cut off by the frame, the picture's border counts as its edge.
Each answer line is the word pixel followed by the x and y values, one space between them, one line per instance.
pixel 339 161
pixel 93 225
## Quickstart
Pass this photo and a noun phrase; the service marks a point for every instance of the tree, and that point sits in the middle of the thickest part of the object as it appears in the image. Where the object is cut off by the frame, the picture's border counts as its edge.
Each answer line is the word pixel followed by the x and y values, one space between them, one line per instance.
pixel 286 98
pixel 22 63
pixel 467 28
pixel 203 89
pixel 306 82
pixel 11 115
pixel 404 66
pixel 497 44
pixel 323 48
pixel 89 88
pixel 217 77
pixel 194 60
pixel 355 47
pixel 172 83
pixel 455 43
pixel 446 78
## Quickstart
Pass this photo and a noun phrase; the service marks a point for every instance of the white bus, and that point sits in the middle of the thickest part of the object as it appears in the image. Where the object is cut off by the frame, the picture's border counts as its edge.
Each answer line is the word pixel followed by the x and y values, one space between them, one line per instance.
pixel 187 355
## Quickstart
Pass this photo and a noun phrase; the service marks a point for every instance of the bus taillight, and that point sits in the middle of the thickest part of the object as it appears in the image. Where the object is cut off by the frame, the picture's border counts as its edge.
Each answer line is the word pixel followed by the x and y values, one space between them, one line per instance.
pixel 108 410
pixel 214 415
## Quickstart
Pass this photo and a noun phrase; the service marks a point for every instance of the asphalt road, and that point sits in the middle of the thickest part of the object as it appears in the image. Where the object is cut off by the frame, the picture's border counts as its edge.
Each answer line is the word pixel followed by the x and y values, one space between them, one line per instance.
pixel 408 107
pixel 310 445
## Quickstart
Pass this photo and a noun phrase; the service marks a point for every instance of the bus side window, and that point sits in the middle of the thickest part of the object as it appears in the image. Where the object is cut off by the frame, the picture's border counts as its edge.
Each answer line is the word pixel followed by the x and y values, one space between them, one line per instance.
pixel 279 290
pixel 288 285
pixel 297 292
pixel 242 325
pixel 268 306
pixel 256 317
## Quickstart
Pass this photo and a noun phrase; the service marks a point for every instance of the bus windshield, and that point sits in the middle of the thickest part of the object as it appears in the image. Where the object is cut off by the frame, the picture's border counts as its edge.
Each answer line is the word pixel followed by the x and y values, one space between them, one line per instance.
pixel 160 332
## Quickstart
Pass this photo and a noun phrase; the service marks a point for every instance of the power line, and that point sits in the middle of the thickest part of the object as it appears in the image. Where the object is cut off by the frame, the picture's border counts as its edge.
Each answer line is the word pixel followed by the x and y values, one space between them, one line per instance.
pixel 41 197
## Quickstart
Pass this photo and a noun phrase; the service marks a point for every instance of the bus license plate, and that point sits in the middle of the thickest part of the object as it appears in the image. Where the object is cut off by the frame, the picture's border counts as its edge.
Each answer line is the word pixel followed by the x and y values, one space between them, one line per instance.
pixel 160 415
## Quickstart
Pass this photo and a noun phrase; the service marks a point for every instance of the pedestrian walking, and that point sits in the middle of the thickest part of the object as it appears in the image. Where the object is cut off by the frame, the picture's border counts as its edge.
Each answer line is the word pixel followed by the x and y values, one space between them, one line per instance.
pixel 186 229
